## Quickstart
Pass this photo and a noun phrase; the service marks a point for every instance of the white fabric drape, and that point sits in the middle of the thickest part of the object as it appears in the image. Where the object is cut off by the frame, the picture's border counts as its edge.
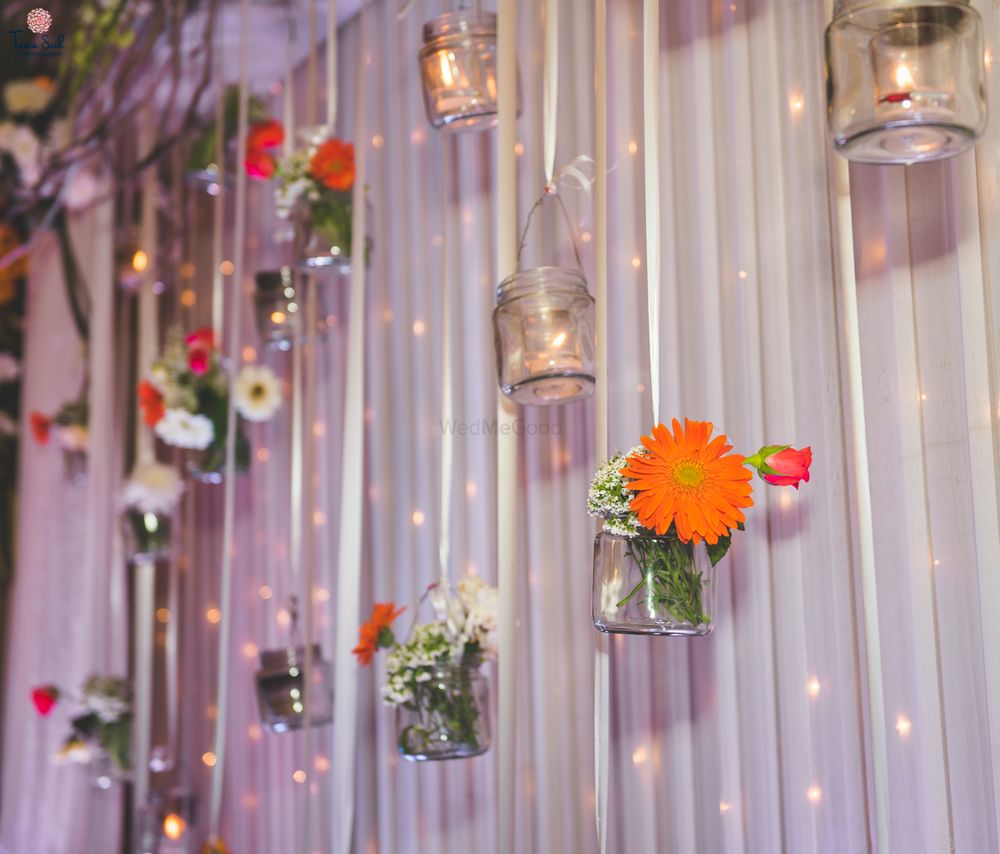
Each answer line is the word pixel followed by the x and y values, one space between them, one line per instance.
pixel 755 740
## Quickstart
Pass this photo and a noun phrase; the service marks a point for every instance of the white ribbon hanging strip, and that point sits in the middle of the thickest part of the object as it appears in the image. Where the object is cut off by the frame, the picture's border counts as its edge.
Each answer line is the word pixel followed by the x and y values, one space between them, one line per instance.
pixel 602 658
pixel 218 212
pixel 550 87
pixel 331 64
pixel 651 163
pixel 507 512
pixel 229 499
pixel 352 494
pixel 447 405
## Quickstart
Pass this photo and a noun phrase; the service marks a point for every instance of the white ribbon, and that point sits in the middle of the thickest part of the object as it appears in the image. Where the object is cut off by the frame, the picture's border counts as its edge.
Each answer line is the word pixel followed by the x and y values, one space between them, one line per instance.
pixel 229 500
pixel 507 511
pixel 331 64
pixel 218 211
pixel 602 659
pixel 447 438
pixel 352 493
pixel 651 162
pixel 550 87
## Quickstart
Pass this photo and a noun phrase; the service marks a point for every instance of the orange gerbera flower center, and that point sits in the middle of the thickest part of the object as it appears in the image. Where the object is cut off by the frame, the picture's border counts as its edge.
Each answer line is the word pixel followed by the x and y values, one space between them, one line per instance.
pixel 688 481
pixel 689 475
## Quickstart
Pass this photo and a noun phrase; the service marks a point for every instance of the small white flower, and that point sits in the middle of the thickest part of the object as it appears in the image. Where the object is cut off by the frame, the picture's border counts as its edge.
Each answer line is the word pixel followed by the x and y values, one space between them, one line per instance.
pixel 28 97
pixel 257 393
pixel 25 148
pixel 152 488
pixel 109 709
pixel 81 189
pixel 10 368
pixel 184 429
pixel 73 437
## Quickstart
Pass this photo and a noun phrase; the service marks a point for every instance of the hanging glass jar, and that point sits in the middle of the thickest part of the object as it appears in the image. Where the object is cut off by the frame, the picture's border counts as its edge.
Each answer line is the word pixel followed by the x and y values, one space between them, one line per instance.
pixel 279 306
pixel 147 535
pixel 544 334
pixel 209 466
pixel 448 716
pixel 75 465
pixel 280 689
pixel 647 585
pixel 458 66
pixel 166 822
pixel 906 80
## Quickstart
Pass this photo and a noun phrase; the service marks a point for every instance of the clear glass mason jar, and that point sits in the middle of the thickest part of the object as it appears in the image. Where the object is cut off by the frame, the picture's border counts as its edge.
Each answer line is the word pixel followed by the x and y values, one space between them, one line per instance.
pixel 458 67
pixel 280 304
pixel 448 717
pixel 280 683
pixel 648 585
pixel 103 771
pixel 209 466
pixel 147 535
pixel 543 329
pixel 905 80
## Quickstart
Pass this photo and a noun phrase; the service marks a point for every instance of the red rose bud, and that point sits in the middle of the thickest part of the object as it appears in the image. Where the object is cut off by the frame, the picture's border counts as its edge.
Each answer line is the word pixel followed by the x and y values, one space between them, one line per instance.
pixel 44 697
pixel 40 426
pixel 203 338
pixel 266 134
pixel 782 465
pixel 259 164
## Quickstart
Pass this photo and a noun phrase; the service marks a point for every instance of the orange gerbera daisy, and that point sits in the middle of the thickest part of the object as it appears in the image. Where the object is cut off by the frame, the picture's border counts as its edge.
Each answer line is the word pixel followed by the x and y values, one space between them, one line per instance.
pixel 688 481
pixel 333 165
pixel 376 632
pixel 151 403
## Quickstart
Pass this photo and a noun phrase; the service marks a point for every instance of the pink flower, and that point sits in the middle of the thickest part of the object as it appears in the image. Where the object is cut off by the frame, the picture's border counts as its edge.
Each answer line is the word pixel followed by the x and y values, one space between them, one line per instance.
pixel 782 465
pixel 44 697
pixel 200 345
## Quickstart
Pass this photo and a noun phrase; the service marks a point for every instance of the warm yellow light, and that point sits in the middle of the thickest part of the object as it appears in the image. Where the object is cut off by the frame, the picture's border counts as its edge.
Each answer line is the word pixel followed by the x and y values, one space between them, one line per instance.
pixel 519 148
pixel 263 455
pixel 419 327
pixel 319 518
pixel 636 262
pixel 264 592
pixel 633 147
pixel 140 261
pixel 319 429
pixel 446 58
pixel 813 687
pixel 227 268
pixel 163 615
pixel 250 650
pixel 903 726
pixel 724 807
pixel 378 141
pixel 188 298
pixel 904 77
pixel 299 776
pixel 418 518
pixel 174 826
pixel 278 317
pixel 283 618
pixel 471 489
pixel 213 615
pixel 249 354
pixel 321 594
pixel 814 794
pixel 559 340
pixel 322 764
pixel 208 758
pixel 639 756
pixel 796 102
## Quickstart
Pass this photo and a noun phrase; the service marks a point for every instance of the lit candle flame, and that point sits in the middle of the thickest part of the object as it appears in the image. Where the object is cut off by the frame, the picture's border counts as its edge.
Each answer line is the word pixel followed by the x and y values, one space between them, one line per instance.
pixel 174 826
pixel 904 77
pixel 559 340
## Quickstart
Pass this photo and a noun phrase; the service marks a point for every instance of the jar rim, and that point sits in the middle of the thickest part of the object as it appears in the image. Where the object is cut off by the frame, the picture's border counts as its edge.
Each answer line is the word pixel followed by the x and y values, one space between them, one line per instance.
pixel 546 278
pixel 460 22
pixel 280 659
pixel 849 7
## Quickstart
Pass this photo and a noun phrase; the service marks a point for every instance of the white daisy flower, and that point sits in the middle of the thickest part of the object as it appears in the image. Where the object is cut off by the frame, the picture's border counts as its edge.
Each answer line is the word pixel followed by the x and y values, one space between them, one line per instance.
pixel 184 429
pixel 10 368
pixel 28 97
pixel 257 392
pixel 152 488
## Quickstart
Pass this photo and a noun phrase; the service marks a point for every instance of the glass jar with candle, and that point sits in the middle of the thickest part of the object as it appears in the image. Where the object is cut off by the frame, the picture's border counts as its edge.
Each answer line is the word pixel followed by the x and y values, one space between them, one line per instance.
pixel 458 67
pixel 544 334
pixel 147 535
pixel 279 304
pixel 281 693
pixel 166 823
pixel 650 585
pixel 905 81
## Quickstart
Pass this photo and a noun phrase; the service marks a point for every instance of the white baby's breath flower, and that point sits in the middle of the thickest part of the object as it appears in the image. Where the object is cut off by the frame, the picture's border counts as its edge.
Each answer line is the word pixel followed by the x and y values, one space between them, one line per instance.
pixel 73 437
pixel 28 97
pixel 184 429
pixel 10 368
pixel 257 393
pixel 610 498
pixel 152 488
pixel 22 144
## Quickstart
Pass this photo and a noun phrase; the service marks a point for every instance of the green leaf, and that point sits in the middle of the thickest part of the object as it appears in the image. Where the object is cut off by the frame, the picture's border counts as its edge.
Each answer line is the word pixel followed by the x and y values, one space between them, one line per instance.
pixel 718 551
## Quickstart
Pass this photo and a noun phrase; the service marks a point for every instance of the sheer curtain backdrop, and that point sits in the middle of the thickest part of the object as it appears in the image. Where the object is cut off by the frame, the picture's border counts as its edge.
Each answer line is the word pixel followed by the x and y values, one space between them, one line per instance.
pixel 857 618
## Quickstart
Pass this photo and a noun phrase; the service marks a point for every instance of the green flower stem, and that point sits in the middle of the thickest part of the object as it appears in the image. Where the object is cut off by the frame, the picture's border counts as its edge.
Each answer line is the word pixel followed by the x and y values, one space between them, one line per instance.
pixel 669 574
pixel 443 707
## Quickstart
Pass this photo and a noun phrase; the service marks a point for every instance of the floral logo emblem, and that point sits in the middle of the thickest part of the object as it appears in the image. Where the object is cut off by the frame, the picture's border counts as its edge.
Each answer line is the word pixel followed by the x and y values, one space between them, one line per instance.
pixel 39 20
